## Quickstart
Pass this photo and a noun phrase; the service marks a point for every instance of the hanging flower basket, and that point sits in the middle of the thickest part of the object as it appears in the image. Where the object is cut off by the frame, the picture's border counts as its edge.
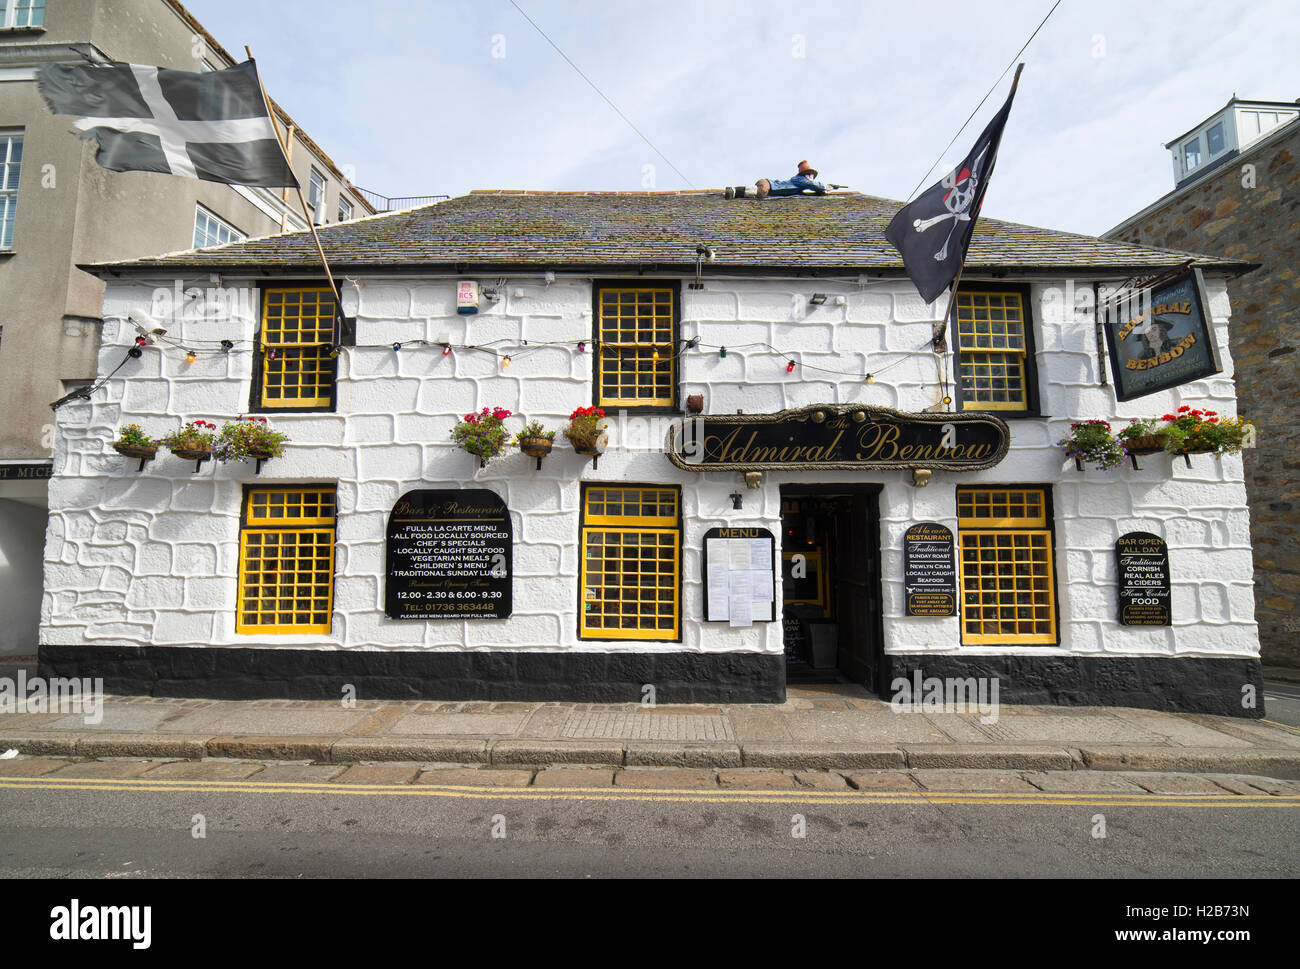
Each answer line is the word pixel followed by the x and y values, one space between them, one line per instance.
pixel 1093 443
pixel 193 442
pixel 586 430
pixel 249 438
pixel 483 434
pixel 535 440
pixel 1194 431
pixel 591 448
pixel 132 442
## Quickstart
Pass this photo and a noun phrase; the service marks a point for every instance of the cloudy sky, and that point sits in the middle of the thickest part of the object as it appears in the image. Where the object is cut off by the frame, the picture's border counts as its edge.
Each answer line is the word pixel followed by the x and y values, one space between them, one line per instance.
pixel 443 96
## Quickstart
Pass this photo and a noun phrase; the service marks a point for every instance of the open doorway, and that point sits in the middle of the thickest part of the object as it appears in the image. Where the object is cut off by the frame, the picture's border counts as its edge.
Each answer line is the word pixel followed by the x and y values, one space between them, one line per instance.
pixel 831 590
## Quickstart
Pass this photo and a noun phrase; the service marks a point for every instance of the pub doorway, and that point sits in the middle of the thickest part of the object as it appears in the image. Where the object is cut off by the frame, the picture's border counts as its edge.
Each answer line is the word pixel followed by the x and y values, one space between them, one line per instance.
pixel 831 588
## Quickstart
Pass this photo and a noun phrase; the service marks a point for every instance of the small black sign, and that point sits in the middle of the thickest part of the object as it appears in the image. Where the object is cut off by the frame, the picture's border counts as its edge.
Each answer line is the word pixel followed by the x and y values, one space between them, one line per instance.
pixel 839 437
pixel 929 570
pixel 449 556
pixel 1160 337
pixel 1143 573
pixel 26 472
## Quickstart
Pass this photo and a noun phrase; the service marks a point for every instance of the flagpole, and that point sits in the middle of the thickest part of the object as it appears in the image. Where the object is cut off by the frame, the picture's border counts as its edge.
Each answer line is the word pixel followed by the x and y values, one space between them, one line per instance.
pixel 338 296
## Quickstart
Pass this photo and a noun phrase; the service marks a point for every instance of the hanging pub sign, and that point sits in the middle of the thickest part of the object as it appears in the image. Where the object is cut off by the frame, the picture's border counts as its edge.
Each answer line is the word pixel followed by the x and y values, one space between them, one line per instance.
pixel 929 570
pixel 839 437
pixel 1160 336
pixel 1143 574
pixel 448 556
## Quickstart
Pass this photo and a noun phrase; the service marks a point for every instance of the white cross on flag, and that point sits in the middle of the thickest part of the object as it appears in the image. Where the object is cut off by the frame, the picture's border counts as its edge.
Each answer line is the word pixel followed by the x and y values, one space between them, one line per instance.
pixel 214 126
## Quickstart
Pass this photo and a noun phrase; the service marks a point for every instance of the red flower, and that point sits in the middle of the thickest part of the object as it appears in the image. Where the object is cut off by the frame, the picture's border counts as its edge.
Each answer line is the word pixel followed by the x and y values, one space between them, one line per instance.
pixel 1184 409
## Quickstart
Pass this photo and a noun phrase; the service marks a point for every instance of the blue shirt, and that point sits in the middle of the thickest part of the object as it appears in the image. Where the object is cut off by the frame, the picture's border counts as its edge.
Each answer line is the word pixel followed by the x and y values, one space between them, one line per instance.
pixel 798 185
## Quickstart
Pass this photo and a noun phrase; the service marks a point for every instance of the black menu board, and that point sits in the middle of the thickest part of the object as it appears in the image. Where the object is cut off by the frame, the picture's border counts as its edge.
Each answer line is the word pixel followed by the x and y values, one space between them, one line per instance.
pixel 448 556
pixel 929 570
pixel 1142 561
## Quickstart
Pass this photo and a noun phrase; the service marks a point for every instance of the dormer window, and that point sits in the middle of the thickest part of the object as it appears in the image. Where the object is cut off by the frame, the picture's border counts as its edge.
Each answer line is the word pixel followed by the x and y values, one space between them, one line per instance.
pixel 1192 155
pixel 1214 139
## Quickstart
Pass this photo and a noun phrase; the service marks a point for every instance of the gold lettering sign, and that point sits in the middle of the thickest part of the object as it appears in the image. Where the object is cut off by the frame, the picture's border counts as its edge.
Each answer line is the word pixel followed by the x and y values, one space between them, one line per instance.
pixel 839 437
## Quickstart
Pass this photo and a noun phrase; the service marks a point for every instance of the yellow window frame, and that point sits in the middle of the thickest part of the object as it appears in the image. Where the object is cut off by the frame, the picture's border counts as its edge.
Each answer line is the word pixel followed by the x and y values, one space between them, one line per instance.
pixel 1009 539
pixel 634 358
pixel 597 520
pixel 296 539
pixel 306 343
pixel 1000 363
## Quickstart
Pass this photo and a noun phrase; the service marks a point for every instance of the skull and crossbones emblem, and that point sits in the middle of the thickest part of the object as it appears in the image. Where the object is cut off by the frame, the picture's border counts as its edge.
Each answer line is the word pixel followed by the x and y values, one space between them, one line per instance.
pixel 961 185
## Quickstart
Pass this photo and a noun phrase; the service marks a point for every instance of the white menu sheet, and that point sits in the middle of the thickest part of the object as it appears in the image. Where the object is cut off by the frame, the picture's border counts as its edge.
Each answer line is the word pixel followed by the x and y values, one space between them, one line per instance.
pixel 741 586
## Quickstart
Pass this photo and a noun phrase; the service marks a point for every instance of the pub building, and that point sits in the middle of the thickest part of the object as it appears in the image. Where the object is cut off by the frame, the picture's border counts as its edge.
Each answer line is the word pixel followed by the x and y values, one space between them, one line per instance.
pixel 795 484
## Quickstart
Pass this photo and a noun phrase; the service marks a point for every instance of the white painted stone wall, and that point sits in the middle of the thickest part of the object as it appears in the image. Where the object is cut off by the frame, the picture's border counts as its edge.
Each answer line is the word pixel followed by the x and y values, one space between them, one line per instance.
pixel 152 558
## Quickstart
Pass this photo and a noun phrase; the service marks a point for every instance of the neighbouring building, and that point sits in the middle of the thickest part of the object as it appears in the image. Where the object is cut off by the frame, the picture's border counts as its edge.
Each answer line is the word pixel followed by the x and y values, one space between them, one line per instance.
pixel 795 484
pixel 1237 195
pixel 59 209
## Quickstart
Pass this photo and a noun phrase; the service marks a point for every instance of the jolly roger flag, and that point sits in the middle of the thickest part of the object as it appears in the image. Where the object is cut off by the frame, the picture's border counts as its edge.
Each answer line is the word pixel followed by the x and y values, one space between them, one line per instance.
pixel 214 126
pixel 933 232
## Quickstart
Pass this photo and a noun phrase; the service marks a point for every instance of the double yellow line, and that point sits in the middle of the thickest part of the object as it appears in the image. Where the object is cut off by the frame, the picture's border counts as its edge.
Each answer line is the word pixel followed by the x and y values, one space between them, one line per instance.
pixel 1115 799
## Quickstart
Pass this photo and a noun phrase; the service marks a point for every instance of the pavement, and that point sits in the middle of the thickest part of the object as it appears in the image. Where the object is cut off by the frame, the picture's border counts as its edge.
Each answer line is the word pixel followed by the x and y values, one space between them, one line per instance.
pixel 837 727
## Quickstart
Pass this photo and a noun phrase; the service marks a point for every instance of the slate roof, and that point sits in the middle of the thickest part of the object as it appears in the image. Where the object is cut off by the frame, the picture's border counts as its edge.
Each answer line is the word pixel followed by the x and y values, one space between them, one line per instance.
pixel 497 230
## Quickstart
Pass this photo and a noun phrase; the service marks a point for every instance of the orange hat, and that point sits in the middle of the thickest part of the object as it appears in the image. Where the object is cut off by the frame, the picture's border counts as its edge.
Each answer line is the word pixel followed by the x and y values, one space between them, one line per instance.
pixel 806 169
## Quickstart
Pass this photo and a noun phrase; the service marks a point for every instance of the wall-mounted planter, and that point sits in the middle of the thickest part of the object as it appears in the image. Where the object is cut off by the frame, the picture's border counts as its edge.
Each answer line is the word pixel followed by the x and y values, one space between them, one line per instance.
pixel 198 456
pixel 136 451
pixel 536 447
pixel 592 449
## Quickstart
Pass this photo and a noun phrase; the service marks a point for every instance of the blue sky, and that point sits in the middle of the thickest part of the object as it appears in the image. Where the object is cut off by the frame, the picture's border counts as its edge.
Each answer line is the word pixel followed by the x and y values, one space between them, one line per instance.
pixel 411 95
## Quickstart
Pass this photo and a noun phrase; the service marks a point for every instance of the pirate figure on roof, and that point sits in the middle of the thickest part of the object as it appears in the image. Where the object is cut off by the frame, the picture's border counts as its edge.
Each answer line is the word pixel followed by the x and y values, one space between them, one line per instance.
pixel 803 182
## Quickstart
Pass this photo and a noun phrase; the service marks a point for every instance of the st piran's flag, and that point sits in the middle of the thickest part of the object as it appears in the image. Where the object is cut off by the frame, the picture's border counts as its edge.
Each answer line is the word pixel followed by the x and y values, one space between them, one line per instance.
pixel 933 232
pixel 214 126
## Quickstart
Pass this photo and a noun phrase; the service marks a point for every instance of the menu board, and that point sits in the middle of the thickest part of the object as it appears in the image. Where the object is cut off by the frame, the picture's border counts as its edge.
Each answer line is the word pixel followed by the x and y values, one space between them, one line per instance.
pixel 1143 574
pixel 448 556
pixel 929 570
pixel 739 576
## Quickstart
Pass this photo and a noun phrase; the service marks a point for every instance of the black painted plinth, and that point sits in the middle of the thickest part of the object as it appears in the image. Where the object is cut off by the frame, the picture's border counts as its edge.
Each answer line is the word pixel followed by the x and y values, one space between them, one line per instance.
pixel 249 673
pixel 1179 684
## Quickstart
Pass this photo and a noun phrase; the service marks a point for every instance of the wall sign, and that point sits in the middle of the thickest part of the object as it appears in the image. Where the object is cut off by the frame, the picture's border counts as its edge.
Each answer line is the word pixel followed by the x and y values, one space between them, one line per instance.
pixel 838 437
pixel 448 556
pixel 929 570
pixel 739 576
pixel 26 472
pixel 1161 337
pixel 1143 573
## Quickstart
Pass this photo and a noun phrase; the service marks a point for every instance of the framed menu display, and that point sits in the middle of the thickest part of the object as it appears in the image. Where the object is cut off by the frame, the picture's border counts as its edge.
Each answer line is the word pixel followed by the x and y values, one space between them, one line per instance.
pixel 739 576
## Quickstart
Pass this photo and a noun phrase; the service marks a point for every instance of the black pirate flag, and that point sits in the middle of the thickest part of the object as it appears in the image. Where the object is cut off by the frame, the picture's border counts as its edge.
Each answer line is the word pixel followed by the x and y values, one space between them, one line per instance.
pixel 933 232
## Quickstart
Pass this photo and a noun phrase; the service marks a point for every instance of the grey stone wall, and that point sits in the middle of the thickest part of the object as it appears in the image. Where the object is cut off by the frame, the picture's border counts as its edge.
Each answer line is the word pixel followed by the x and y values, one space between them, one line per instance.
pixel 1226 216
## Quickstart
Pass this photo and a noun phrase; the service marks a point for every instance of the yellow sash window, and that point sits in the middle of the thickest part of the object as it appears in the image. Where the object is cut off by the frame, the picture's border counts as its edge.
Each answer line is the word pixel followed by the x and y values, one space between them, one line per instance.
pixel 286 561
pixel 991 345
pixel 637 363
pixel 1008 590
pixel 631 563
pixel 294 347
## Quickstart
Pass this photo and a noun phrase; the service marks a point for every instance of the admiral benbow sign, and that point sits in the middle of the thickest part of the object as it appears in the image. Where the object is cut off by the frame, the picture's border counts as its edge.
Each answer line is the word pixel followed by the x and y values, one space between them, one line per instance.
pixel 839 437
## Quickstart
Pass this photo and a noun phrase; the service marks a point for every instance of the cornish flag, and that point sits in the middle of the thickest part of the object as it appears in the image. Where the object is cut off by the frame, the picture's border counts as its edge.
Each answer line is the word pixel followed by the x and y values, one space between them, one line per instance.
pixel 933 232
pixel 214 126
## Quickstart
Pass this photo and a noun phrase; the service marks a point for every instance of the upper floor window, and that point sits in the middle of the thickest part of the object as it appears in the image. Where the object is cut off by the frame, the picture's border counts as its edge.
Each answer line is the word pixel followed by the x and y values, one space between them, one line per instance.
pixel 993 351
pixel 636 333
pixel 316 196
pixel 23 13
pixel 1191 154
pixel 211 230
pixel 345 209
pixel 11 163
pixel 1214 139
pixel 295 368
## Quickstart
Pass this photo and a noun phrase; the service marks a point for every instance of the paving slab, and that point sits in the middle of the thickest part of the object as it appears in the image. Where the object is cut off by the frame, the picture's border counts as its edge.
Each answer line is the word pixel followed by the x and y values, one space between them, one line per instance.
pixel 961 728
pixel 476 777
pixel 574 777
pixel 297 773
pixel 1071 782
pixel 642 725
pixel 861 727
pixel 556 752
pixel 187 746
pixel 379 774
pixel 545 721
pixel 117 717
pixel 1195 760
pixel 988 756
pixel 208 770
pixel 458 724
pixel 267 721
pixel 1068 729
pixel 882 780
pixel 665 778
pixel 1161 782
pixel 823 755
pixel 1272 785
pixel 755 780
pixel 30 766
pixel 448 749
pixel 1183 731
pixel 682 755
pixel 1257 732
pixel 821 780
pixel 107 768
pixel 758 723
pixel 381 721
pixel 978 781
pixel 1237 783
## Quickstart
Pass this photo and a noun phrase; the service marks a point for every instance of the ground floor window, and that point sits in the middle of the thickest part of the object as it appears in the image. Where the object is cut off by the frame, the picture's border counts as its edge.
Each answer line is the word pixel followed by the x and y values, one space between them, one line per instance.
pixel 631 563
pixel 1008 586
pixel 286 560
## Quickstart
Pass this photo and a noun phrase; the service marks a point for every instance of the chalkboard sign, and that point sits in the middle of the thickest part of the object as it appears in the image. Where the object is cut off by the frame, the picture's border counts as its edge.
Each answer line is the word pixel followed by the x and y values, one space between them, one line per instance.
pixel 1143 573
pixel 448 556
pixel 929 570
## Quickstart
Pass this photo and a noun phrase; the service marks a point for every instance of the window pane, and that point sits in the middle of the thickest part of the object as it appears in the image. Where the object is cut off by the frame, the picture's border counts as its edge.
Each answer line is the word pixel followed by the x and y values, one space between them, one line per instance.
pixel 637 362
pixel 295 342
pixel 1214 139
pixel 11 158
pixel 1191 154
pixel 992 350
